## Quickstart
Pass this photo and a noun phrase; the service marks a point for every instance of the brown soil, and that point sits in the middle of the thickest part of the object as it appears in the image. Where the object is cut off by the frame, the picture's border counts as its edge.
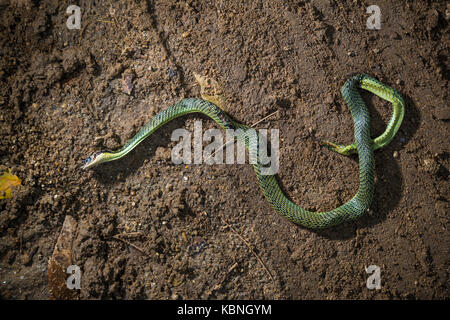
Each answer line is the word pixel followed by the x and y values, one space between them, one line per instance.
pixel 63 95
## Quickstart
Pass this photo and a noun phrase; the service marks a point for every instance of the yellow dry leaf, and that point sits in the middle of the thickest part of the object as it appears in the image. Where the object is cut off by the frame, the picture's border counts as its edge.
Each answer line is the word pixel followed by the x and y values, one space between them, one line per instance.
pixel 211 91
pixel 7 181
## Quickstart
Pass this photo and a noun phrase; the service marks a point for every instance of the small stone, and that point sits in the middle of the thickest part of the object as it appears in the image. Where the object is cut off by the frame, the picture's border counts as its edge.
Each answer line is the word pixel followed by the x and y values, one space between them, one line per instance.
pixel 172 73
pixel 395 155
pixel 442 113
pixel 329 99
pixel 115 70
pixel 432 19
pixel 25 259
pixel 431 166
pixel 127 84
pixel 297 255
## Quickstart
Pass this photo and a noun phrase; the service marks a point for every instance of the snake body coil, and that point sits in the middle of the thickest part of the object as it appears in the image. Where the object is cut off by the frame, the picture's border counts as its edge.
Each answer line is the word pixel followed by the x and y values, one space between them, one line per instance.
pixel 363 145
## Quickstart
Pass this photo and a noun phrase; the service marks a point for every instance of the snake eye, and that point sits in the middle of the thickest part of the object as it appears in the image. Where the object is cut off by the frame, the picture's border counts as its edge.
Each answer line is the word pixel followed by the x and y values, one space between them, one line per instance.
pixel 86 161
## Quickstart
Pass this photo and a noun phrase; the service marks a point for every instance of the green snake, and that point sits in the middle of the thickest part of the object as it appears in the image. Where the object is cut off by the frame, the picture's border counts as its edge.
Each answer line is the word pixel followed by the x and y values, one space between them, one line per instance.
pixel 363 145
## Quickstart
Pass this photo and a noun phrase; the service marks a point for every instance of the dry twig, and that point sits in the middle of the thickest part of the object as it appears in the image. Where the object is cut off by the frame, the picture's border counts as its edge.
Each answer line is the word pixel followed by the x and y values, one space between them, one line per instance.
pixel 116 237
pixel 249 246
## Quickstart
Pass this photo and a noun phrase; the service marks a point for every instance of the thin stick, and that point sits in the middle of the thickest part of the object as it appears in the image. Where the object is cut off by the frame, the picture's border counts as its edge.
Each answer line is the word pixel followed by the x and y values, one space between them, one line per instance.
pixel 219 284
pixel 248 245
pixel 130 244
pixel 232 140
pixel 82 31
pixel 263 119
pixel 105 21
pixel 131 234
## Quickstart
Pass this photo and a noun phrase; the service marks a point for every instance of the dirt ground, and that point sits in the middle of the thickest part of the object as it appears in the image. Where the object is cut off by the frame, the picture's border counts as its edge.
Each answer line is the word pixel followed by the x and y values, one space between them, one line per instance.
pixel 150 229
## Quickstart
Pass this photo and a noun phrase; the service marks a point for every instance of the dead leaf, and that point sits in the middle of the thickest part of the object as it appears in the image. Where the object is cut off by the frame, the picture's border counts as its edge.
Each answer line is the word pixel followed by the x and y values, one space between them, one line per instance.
pixel 8 181
pixel 60 260
pixel 211 91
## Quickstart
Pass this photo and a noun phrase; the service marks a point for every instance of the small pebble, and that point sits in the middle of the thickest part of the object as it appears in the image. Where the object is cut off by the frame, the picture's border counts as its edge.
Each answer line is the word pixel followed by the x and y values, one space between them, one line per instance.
pixel 171 73
pixel 127 84
pixel 25 259
pixel 431 166
pixel 441 113
pixel 395 154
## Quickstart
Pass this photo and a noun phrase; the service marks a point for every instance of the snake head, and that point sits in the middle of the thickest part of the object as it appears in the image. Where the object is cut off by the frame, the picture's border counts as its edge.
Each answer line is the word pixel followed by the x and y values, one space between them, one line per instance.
pixel 93 160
